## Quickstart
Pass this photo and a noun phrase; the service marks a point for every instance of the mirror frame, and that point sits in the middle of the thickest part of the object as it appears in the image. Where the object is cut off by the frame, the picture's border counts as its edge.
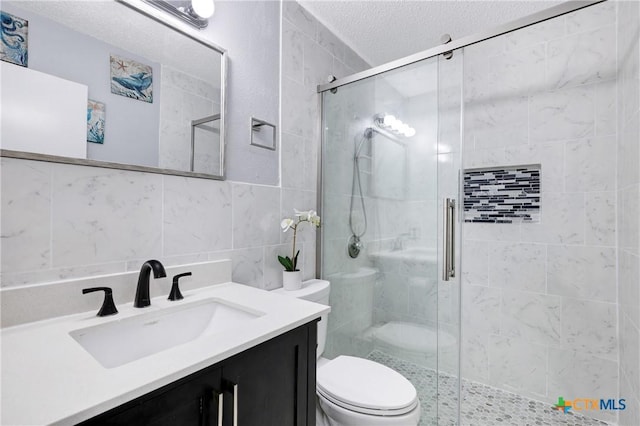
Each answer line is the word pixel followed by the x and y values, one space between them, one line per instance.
pixel 173 24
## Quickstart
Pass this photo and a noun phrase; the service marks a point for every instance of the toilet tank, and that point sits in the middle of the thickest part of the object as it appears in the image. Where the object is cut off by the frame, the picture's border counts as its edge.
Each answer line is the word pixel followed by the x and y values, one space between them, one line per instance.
pixel 314 291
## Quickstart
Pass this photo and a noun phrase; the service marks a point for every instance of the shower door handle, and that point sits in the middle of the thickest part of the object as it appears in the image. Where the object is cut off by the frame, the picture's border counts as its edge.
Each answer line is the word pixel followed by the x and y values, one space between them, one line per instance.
pixel 448 265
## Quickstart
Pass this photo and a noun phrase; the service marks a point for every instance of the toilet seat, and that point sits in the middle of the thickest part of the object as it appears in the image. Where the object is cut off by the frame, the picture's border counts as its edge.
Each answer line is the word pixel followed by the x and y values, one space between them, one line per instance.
pixel 366 387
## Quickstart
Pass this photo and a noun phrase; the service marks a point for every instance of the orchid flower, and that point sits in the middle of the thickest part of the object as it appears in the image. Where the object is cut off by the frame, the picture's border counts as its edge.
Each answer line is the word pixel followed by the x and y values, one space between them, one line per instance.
pixel 311 216
pixel 286 224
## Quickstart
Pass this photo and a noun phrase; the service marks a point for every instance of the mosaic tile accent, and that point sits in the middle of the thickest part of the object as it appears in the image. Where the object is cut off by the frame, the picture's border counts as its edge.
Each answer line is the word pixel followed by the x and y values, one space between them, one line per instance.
pixel 482 405
pixel 502 195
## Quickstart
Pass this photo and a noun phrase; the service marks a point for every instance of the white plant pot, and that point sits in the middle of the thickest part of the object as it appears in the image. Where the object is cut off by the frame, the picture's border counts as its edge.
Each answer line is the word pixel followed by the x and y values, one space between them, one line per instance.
pixel 292 280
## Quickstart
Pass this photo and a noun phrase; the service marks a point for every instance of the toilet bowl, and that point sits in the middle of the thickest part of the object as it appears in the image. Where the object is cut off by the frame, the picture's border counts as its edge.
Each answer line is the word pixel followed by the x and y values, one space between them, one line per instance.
pixel 354 391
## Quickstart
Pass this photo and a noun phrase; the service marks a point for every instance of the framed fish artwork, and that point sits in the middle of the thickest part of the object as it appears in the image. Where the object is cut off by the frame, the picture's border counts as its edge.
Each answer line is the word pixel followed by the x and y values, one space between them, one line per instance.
pixel 13 47
pixel 131 79
pixel 95 121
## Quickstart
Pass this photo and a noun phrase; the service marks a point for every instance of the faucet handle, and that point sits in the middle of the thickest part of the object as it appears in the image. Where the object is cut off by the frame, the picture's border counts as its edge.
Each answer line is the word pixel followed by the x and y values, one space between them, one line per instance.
pixel 175 294
pixel 108 307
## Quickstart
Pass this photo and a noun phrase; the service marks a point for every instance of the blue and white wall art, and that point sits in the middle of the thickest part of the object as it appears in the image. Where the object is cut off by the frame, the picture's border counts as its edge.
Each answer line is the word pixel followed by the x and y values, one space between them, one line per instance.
pixel 13 47
pixel 131 79
pixel 95 121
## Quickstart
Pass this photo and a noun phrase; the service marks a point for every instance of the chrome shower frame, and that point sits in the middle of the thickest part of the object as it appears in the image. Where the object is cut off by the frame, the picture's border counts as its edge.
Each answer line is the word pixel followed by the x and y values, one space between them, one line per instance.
pixel 334 84
pixel 527 21
pixel 446 50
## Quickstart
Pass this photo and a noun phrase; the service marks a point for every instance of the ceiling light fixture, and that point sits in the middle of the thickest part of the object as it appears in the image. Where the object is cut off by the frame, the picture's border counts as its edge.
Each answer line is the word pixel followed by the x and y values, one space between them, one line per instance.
pixel 195 12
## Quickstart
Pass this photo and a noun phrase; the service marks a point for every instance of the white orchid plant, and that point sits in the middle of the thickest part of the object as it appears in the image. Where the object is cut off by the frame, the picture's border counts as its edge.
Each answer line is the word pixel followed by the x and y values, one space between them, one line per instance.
pixel 291 263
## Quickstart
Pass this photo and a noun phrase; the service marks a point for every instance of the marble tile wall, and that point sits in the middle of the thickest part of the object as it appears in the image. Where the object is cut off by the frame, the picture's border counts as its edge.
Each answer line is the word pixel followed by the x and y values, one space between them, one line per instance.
pixel 315 54
pixel 310 54
pixel 540 299
pixel 628 206
pixel 62 221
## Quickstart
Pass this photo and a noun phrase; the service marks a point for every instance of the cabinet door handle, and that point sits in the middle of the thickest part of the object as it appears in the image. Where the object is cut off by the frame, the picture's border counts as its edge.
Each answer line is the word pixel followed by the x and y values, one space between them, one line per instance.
pixel 235 404
pixel 220 397
pixel 230 386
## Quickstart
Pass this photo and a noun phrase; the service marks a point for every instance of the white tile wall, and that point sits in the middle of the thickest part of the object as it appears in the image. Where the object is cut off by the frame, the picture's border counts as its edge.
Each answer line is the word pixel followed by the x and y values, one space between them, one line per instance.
pixel 184 203
pixel 585 271
pixel 547 94
pixel 26 188
pixel 562 114
pixel 311 53
pixel 517 365
pixel 531 317
pixel 103 215
pixel 518 266
pixel 628 206
pixel 601 382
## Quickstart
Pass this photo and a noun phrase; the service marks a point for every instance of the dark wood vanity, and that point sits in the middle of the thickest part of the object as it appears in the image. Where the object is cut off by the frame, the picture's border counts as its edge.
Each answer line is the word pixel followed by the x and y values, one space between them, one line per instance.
pixel 272 383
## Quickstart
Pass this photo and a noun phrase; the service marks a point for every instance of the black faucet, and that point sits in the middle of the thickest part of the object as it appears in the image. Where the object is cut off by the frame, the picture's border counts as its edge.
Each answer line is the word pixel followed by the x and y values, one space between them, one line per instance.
pixel 175 293
pixel 142 292
pixel 108 307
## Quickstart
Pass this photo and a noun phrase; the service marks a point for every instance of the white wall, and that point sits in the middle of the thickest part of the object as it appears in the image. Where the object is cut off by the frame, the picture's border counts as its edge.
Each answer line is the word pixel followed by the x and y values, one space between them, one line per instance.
pixel 250 31
pixel 628 206
pixel 540 300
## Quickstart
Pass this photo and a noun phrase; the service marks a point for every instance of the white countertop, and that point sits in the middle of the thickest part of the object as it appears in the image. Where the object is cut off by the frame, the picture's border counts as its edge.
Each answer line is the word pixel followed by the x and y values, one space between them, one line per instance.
pixel 48 378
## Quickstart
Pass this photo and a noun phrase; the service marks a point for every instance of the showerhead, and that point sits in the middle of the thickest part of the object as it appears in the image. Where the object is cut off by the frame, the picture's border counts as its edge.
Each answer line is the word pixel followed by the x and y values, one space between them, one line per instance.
pixel 368 133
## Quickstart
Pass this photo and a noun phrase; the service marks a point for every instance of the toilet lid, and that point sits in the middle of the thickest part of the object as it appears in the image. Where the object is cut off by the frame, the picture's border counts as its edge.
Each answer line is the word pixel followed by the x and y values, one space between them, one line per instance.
pixel 366 386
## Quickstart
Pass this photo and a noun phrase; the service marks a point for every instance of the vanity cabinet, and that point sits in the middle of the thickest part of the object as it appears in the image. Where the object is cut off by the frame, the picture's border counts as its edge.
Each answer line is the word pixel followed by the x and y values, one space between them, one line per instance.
pixel 272 383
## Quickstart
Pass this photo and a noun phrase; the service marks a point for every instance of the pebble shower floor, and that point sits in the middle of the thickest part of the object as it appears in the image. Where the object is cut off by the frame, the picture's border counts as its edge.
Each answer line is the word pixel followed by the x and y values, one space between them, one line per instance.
pixel 483 405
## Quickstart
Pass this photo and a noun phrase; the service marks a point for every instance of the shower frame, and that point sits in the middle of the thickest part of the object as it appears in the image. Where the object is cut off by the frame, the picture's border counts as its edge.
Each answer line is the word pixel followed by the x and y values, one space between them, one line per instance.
pixel 526 21
pixel 334 84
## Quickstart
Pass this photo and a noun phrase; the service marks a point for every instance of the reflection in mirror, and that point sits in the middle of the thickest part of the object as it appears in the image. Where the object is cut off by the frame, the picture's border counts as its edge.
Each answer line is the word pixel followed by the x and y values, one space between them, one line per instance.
pixel 388 170
pixel 205 145
pixel 137 99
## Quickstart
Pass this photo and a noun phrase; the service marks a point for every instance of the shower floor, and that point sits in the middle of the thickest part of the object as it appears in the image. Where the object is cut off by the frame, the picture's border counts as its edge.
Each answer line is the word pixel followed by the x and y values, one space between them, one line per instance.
pixel 483 405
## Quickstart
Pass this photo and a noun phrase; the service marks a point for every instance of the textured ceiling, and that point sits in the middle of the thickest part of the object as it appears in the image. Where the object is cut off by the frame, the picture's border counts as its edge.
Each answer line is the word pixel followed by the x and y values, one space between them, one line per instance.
pixel 381 31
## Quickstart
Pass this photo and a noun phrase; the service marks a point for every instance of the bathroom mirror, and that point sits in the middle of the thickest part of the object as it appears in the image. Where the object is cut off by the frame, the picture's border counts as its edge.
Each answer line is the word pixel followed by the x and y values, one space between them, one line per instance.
pixel 112 84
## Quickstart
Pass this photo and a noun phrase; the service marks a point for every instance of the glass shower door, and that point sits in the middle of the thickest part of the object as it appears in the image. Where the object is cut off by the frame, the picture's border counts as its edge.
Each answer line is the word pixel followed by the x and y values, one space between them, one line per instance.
pixel 389 157
pixel 449 152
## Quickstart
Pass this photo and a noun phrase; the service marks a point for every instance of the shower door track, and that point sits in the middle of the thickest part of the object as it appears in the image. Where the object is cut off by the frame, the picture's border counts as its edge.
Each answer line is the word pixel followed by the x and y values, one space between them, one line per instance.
pixel 526 21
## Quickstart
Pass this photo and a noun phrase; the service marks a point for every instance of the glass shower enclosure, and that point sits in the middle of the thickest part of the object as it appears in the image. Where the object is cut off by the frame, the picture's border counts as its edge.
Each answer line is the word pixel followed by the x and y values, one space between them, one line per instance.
pixel 391 157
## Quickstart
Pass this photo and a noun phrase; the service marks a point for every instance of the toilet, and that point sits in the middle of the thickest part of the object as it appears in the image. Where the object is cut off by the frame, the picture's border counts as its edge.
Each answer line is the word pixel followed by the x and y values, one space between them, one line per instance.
pixel 354 391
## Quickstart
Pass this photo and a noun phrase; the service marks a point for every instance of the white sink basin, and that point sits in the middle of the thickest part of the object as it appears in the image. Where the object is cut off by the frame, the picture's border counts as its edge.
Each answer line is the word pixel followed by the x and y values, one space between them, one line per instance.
pixel 122 341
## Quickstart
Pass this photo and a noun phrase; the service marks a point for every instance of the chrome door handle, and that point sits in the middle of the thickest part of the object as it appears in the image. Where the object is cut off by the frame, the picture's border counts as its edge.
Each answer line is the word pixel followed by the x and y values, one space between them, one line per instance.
pixel 220 397
pixel 448 265
pixel 235 404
